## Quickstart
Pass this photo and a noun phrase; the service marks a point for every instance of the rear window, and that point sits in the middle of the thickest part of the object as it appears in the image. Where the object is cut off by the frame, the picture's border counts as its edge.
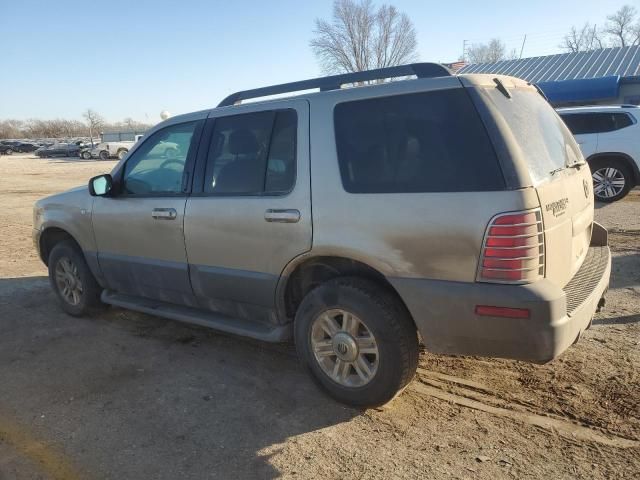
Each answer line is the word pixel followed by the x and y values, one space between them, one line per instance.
pixel 585 123
pixel 423 142
pixel 545 142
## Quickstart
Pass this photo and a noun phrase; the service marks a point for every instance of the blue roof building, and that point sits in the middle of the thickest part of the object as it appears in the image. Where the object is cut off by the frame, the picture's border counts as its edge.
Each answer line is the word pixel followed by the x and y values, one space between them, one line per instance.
pixel 604 76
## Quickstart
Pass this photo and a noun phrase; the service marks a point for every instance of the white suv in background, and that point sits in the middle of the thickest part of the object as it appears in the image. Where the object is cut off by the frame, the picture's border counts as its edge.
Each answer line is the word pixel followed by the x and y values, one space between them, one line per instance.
pixel 609 137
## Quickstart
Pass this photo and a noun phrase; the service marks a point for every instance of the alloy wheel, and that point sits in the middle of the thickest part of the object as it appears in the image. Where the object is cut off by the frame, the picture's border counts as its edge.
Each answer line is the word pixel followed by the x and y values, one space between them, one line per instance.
pixel 608 182
pixel 68 281
pixel 344 347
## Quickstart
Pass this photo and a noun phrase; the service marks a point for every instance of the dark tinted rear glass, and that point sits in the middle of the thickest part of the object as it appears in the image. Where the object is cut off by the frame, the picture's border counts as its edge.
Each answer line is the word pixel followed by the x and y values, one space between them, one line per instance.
pixel 585 123
pixel 423 142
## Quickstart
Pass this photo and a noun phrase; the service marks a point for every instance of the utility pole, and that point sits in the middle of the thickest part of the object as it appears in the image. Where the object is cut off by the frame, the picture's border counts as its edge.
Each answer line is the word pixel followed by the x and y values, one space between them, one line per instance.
pixel 524 40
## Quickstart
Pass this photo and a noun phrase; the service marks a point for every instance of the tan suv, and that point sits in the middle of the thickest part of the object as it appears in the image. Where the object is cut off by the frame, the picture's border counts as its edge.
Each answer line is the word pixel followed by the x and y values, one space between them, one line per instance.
pixel 351 219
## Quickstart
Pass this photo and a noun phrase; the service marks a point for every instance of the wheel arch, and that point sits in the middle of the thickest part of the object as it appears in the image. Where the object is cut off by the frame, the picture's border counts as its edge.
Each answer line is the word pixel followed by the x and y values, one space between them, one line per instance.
pixel 50 237
pixel 616 156
pixel 307 272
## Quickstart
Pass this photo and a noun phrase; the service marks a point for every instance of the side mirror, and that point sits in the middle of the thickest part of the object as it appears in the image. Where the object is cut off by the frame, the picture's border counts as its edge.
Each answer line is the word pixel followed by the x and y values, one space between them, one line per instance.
pixel 101 185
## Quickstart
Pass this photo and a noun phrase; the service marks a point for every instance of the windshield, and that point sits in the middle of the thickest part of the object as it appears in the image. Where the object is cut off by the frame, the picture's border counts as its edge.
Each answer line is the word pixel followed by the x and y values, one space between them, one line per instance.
pixel 544 140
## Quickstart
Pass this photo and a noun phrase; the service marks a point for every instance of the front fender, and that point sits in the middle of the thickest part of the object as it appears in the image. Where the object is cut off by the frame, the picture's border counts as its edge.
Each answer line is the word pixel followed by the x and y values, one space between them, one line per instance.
pixel 69 212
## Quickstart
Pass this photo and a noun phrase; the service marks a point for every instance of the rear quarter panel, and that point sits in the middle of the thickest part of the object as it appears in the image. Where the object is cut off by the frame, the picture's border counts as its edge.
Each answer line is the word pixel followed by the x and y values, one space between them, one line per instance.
pixel 417 235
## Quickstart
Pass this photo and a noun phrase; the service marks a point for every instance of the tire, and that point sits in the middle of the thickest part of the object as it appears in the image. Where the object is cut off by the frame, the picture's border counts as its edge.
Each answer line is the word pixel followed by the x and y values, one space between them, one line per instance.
pixel 612 179
pixel 104 155
pixel 378 313
pixel 65 259
pixel 86 155
pixel 9 151
pixel 121 153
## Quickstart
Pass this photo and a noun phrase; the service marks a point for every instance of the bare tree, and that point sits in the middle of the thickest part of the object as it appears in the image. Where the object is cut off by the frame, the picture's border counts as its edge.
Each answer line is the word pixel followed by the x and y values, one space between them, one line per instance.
pixel 94 121
pixel 584 39
pixel 360 37
pixel 491 52
pixel 622 27
pixel 58 128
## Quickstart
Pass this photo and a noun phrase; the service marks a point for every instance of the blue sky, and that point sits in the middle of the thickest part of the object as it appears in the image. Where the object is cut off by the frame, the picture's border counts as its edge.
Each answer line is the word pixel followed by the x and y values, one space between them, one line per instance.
pixel 136 58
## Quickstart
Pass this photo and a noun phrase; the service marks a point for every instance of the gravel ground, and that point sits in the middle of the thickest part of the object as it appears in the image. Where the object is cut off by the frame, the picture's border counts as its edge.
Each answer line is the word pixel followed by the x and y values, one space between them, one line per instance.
pixel 127 396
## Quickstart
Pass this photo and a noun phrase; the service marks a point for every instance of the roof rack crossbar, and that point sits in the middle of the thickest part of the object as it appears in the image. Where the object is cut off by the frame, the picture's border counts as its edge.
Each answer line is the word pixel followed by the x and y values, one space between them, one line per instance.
pixel 334 82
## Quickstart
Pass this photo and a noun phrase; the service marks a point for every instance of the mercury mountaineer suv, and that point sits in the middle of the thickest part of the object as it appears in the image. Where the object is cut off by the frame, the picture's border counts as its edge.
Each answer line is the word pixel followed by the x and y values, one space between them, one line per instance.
pixel 453 208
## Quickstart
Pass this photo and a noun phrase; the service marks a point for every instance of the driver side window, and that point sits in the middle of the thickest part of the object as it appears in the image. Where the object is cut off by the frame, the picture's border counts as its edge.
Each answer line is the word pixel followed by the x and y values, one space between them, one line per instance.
pixel 157 166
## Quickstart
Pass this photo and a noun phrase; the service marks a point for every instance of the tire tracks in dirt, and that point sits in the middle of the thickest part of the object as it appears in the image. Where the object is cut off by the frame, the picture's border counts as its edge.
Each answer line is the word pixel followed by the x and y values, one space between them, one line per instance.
pixel 471 394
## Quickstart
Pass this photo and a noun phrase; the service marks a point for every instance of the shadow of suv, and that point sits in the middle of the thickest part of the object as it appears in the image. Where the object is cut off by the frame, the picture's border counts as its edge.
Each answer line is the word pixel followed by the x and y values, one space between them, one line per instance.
pixel 350 219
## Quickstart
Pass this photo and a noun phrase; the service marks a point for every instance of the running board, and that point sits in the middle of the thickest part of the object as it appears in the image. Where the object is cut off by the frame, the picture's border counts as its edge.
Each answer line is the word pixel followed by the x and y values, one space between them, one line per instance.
pixel 217 321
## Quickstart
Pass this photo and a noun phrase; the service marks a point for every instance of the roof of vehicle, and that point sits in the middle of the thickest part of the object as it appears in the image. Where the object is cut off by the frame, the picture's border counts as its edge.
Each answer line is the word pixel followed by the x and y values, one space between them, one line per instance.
pixel 597 108
pixel 344 84
pixel 337 82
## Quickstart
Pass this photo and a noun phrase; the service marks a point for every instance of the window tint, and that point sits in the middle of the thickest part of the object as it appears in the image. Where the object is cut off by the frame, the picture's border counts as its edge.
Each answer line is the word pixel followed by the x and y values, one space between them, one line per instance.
pixel 586 123
pixel 424 142
pixel 622 120
pixel 158 164
pixel 252 154
pixel 281 165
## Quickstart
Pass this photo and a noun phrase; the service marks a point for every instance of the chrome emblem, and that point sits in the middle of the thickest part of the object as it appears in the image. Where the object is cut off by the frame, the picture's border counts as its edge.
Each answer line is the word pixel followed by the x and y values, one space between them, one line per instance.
pixel 342 348
pixel 585 186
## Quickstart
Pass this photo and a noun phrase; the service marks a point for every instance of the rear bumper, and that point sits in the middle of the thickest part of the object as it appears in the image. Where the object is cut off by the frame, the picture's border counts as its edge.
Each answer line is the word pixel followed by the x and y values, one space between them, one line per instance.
pixel 444 312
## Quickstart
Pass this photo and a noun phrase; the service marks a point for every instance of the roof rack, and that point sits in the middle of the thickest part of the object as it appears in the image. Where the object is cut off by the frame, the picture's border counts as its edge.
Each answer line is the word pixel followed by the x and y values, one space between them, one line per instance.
pixel 334 82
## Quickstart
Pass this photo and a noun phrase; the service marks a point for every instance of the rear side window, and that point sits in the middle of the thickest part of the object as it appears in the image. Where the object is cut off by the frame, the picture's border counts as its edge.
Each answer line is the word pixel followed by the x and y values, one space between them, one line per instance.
pixel 423 142
pixel 252 154
pixel 586 123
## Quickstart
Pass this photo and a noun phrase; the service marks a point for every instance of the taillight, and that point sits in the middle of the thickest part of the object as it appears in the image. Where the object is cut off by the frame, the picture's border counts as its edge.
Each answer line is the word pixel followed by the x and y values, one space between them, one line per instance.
pixel 513 248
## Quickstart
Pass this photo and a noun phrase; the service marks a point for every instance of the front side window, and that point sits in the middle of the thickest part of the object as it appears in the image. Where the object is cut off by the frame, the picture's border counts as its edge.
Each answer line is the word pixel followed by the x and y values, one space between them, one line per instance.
pixel 252 154
pixel 157 166
pixel 423 142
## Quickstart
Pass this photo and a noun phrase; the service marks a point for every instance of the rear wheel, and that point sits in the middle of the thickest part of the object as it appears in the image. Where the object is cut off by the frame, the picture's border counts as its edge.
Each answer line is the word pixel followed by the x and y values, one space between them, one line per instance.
pixel 9 151
pixel 121 154
pixel 72 281
pixel 357 340
pixel 86 155
pixel 612 180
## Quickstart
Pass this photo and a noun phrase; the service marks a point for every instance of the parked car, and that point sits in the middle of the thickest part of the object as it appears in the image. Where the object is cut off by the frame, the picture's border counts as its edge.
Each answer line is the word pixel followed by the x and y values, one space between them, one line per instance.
pixel 6 149
pixel 350 219
pixel 609 137
pixel 59 150
pixel 85 151
pixel 26 147
pixel 106 150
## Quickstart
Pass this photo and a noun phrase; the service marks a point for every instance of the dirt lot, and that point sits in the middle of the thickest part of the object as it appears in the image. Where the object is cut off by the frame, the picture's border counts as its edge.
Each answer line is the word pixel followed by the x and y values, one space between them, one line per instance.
pixel 130 396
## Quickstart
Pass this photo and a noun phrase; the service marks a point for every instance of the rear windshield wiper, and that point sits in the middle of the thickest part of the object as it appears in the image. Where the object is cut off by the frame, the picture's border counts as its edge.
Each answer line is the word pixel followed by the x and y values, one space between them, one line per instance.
pixel 501 88
pixel 573 165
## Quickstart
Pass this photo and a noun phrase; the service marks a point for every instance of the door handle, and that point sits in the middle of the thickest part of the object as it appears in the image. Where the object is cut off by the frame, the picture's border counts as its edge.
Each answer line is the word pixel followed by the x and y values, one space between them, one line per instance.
pixel 164 213
pixel 282 215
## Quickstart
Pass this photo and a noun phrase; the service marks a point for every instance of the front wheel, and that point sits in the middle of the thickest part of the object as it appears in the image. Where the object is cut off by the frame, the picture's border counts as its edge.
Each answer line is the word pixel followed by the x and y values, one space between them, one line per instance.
pixel 121 154
pixel 86 155
pixel 357 340
pixel 104 155
pixel 9 151
pixel 72 281
pixel 612 180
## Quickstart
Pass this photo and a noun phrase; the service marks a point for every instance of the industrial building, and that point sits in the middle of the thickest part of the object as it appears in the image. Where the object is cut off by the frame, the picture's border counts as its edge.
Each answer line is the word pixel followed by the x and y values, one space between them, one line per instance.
pixel 603 76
